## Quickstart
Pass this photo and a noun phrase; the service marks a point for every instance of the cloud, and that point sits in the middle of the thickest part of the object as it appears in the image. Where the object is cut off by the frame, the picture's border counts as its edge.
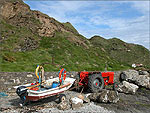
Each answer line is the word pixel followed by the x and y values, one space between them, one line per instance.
pixel 127 20
pixel 142 6
pixel 129 30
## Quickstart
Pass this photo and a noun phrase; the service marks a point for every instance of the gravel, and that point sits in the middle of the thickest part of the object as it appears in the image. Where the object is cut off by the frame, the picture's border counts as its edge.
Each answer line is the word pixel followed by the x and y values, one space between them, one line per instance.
pixel 12 107
pixel 85 109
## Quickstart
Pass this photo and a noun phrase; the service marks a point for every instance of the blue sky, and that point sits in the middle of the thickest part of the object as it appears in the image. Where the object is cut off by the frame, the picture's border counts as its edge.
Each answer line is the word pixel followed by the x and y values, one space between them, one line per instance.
pixel 127 20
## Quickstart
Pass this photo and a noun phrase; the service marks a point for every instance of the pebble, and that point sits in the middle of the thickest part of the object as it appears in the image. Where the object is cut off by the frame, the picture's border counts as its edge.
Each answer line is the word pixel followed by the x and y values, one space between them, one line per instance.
pixel 29 75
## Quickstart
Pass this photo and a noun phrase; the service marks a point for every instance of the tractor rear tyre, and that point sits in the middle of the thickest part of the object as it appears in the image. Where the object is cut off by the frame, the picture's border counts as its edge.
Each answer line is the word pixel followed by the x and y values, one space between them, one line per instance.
pixel 95 83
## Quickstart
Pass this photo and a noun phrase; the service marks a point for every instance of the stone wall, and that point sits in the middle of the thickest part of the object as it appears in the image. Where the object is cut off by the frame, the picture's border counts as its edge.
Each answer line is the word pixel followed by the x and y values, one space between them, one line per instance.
pixel 10 79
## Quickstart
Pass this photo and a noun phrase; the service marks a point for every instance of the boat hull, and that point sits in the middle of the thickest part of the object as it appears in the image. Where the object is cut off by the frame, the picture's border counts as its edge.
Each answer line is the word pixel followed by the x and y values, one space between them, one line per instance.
pixel 33 95
pixel 36 98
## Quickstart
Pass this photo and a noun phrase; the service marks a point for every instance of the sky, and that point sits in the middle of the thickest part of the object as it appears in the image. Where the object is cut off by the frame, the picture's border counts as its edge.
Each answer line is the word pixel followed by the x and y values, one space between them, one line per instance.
pixel 126 20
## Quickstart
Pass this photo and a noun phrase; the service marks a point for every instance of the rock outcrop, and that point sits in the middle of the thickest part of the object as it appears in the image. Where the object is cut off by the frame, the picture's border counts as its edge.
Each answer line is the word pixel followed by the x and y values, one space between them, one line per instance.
pixel 143 72
pixel 127 87
pixel 105 96
pixel 9 10
pixel 28 44
pixel 48 25
pixel 19 14
pixel 140 80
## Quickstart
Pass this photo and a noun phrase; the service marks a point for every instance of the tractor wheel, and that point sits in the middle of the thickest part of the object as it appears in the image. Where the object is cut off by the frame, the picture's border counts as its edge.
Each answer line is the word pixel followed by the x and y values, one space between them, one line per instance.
pixel 78 87
pixel 115 86
pixel 95 83
pixel 123 77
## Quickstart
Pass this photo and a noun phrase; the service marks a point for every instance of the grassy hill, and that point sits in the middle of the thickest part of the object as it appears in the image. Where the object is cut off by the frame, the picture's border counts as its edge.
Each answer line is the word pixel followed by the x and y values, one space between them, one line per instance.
pixel 29 38
pixel 123 52
pixel 69 25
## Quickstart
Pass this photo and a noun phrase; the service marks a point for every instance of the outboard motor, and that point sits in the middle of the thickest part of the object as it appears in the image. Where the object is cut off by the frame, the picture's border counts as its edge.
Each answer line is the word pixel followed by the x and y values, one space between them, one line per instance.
pixel 22 93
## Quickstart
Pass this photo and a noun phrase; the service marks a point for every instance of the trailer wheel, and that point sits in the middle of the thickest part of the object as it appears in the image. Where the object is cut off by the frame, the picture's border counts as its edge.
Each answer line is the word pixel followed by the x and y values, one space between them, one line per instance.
pixel 95 83
pixel 62 97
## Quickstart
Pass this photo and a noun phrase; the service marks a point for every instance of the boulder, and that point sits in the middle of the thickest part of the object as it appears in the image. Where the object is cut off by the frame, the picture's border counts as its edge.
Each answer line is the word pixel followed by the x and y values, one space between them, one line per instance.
pixel 93 96
pixel 141 80
pixel 76 102
pixel 72 76
pixel 86 95
pixel 18 81
pixel 108 96
pixel 30 75
pixel 86 100
pixel 105 96
pixel 81 97
pixel 64 105
pixel 131 75
pixel 143 73
pixel 127 87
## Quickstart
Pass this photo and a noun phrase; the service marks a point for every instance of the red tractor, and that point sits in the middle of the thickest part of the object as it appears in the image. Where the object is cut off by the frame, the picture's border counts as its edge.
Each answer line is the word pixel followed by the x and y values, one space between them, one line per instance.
pixel 95 81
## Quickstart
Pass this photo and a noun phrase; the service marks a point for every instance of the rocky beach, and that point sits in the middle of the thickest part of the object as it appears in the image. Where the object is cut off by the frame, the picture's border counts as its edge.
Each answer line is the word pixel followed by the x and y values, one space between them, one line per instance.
pixel 131 97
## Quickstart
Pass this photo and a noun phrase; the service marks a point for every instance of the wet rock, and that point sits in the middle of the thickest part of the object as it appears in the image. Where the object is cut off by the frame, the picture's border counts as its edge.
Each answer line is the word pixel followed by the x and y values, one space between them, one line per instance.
pixel 64 105
pixel 127 87
pixel 141 80
pixel 76 102
pixel 105 96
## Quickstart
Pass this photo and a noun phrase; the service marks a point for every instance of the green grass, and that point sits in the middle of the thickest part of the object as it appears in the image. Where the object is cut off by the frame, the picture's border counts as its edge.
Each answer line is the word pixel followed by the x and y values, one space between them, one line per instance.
pixel 141 104
pixel 69 26
pixel 73 57
pixel 125 53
